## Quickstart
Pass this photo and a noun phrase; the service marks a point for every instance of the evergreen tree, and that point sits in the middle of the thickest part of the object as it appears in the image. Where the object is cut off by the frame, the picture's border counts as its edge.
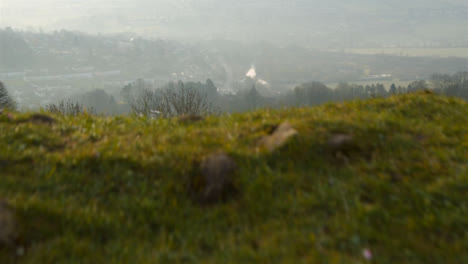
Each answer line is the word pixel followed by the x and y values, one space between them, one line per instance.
pixel 5 100
pixel 211 88
pixel 380 90
pixel 401 89
pixel 393 89
pixel 253 98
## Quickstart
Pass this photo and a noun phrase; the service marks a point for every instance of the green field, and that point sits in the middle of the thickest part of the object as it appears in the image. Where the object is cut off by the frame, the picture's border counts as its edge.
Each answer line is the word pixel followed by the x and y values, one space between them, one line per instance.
pixel 431 52
pixel 95 189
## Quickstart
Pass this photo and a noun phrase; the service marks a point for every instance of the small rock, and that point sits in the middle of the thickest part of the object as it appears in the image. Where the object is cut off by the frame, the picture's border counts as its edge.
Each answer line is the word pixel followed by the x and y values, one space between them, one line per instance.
pixel 279 137
pixel 343 147
pixel 190 118
pixel 340 141
pixel 216 171
pixel 44 119
pixel 7 224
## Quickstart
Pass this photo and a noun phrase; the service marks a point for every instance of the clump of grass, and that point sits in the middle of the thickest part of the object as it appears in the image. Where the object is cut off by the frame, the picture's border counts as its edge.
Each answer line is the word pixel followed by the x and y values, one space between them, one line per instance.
pixel 93 189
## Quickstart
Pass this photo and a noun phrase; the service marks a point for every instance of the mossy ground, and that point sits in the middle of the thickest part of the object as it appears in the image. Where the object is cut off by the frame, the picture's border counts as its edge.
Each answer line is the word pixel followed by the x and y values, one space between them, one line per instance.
pixel 93 189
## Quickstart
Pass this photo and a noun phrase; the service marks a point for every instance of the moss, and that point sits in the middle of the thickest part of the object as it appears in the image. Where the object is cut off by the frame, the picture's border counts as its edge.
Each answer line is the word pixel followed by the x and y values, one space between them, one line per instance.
pixel 114 189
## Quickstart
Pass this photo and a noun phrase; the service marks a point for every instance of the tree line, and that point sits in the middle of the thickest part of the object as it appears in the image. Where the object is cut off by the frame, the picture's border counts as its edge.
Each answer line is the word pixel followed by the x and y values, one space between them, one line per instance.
pixel 203 98
pixel 197 98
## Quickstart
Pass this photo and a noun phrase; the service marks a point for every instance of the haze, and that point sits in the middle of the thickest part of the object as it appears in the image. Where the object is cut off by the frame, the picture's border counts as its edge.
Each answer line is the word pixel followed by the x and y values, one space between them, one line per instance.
pixel 311 23
pixel 53 50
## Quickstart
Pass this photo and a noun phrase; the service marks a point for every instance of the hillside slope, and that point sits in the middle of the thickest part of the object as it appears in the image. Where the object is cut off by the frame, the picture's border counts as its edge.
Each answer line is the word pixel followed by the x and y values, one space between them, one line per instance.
pixel 118 189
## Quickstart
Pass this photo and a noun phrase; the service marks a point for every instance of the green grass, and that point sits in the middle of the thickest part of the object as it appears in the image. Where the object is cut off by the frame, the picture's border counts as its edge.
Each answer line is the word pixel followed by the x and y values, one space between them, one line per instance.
pixel 114 189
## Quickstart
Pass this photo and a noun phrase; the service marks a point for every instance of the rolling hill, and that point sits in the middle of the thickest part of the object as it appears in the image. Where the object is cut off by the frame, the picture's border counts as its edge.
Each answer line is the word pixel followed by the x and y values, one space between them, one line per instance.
pixel 381 180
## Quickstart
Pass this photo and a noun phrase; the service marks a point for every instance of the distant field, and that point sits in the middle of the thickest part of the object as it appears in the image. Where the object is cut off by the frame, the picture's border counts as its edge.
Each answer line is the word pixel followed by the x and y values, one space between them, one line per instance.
pixel 433 52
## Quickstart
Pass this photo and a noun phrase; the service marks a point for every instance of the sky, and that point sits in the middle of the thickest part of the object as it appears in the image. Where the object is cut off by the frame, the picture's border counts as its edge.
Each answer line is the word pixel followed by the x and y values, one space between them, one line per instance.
pixel 272 20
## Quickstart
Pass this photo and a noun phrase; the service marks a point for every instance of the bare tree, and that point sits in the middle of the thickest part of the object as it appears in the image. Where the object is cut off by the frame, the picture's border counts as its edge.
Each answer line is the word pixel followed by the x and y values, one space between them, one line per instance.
pixel 68 108
pixel 440 82
pixel 172 100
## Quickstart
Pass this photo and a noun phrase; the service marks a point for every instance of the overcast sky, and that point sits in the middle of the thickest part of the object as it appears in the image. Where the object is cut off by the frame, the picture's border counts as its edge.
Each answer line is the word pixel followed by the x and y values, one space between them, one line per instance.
pixel 298 20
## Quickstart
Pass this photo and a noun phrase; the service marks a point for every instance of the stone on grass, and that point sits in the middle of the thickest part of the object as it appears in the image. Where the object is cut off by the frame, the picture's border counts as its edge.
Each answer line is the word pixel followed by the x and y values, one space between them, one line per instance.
pixel 216 172
pixel 278 138
pixel 340 142
pixel 342 146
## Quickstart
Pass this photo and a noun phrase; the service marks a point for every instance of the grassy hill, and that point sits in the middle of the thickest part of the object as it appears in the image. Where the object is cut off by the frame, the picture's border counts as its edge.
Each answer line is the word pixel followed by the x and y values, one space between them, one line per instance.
pixel 93 189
